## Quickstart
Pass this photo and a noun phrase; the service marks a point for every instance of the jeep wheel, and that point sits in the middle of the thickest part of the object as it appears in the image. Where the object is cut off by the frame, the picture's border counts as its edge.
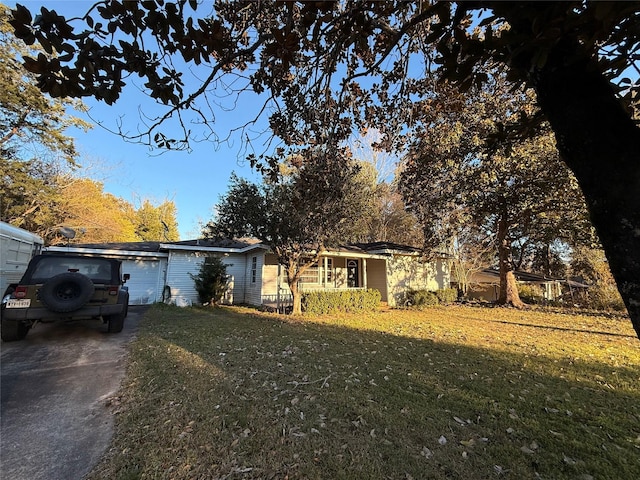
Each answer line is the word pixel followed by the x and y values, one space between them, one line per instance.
pixel 66 292
pixel 13 330
pixel 115 322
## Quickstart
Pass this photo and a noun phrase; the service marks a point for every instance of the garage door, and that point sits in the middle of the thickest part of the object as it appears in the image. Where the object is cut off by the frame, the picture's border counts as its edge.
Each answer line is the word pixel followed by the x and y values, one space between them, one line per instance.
pixel 146 282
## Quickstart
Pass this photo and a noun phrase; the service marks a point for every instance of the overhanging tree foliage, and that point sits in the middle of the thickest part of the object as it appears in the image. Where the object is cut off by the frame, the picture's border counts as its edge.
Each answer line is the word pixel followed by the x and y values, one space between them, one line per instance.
pixel 40 189
pixel 322 202
pixel 326 67
pixel 32 125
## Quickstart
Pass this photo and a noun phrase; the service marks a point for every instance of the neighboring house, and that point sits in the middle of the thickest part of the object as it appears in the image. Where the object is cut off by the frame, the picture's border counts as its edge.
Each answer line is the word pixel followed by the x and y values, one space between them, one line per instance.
pixel 160 271
pixel 485 284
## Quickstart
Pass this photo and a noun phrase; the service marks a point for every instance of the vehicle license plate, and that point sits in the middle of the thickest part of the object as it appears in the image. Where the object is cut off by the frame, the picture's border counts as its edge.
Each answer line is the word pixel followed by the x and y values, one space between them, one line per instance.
pixel 18 303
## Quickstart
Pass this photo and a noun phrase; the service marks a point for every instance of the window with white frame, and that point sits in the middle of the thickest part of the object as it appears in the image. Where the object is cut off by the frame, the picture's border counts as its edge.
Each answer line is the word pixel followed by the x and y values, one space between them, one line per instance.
pixel 329 271
pixel 314 274
pixel 310 275
pixel 254 269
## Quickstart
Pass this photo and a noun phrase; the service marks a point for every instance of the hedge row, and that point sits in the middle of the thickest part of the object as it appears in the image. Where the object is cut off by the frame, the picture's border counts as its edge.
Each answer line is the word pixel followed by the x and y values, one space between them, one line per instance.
pixel 319 303
pixel 423 298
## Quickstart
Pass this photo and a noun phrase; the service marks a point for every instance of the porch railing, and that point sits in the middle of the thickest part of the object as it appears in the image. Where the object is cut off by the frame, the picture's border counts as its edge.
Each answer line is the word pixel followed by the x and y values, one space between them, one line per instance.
pixel 285 299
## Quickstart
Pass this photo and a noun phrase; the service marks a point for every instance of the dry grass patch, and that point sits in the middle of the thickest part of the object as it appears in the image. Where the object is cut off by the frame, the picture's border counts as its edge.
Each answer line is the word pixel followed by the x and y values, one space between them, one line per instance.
pixel 453 392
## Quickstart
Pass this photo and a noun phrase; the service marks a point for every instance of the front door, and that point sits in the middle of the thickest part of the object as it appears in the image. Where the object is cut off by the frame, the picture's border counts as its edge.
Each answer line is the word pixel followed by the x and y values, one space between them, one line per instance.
pixel 353 274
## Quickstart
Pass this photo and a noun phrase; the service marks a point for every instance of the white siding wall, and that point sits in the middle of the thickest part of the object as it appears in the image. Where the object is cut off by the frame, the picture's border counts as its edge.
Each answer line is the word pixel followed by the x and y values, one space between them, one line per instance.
pixel 181 264
pixel 236 265
pixel 253 283
pixel 270 277
pixel 406 272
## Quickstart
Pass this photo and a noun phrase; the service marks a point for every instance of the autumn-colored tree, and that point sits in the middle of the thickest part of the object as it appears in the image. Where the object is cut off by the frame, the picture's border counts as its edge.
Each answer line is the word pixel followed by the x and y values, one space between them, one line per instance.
pixel 96 216
pixel 393 222
pixel 320 204
pixel 100 217
pixel 326 67
pixel 156 223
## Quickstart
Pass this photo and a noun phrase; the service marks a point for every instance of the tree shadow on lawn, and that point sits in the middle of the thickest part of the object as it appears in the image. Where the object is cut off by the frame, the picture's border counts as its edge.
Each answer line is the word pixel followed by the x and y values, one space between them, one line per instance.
pixel 223 393
pixel 567 329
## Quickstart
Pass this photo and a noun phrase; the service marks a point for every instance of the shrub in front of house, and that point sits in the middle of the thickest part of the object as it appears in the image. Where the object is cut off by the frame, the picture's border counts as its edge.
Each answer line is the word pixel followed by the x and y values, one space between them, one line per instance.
pixel 211 281
pixel 421 298
pixel 347 301
pixel 447 295
pixel 426 298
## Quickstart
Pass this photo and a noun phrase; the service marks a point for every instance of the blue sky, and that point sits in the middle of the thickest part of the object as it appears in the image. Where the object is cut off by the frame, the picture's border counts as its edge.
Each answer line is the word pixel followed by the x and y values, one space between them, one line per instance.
pixel 192 180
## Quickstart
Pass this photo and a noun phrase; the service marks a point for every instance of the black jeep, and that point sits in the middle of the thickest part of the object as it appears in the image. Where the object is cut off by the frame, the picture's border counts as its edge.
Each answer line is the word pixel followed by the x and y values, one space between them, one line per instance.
pixel 65 287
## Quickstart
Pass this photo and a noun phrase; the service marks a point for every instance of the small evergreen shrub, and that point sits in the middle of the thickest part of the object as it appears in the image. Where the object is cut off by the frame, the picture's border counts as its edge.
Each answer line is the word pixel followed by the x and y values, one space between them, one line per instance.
pixel 211 281
pixel 447 295
pixel 347 301
pixel 421 298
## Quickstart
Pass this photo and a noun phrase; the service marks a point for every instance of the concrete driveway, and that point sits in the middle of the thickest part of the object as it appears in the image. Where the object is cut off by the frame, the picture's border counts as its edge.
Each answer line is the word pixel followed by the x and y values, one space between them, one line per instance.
pixel 55 387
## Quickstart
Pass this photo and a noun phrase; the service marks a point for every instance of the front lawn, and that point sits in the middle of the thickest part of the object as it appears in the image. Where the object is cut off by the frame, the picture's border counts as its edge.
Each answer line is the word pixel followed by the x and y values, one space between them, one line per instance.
pixel 448 392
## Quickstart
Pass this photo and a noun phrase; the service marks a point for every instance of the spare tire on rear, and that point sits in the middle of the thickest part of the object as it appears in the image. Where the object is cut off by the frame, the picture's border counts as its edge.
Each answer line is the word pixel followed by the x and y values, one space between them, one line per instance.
pixel 66 292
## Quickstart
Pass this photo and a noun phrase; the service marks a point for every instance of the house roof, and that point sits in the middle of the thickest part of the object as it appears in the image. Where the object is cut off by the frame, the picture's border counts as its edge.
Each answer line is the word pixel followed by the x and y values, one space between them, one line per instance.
pixel 128 246
pixel 576 284
pixel 234 244
pixel 522 276
pixel 386 247
pixel 237 245
pixel 223 243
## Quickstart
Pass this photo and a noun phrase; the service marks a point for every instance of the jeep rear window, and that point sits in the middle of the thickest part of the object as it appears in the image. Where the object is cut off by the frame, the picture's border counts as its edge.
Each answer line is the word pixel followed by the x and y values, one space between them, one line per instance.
pixel 97 269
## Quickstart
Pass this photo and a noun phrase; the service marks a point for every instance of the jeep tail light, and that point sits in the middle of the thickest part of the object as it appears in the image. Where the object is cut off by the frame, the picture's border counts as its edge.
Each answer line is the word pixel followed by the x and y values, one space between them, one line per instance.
pixel 20 291
pixel 113 290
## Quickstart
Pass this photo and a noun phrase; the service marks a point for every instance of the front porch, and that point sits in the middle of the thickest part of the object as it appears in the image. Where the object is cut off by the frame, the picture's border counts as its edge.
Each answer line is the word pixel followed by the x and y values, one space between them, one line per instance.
pixel 335 272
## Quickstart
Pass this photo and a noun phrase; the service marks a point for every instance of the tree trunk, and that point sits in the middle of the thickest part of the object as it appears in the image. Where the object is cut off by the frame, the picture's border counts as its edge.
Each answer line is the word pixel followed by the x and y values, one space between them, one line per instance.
pixel 293 276
pixel 508 286
pixel 297 298
pixel 601 145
